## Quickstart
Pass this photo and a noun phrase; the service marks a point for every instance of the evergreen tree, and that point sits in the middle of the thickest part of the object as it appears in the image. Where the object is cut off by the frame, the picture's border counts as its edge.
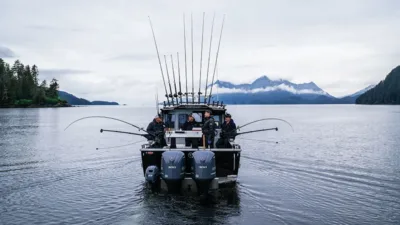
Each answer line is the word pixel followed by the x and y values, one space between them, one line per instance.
pixel 2 81
pixel 35 74
pixel 53 89
pixel 19 85
pixel 386 92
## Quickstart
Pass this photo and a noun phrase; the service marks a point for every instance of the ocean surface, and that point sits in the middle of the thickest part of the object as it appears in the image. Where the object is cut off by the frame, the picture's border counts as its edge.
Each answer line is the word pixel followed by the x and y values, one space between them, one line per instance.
pixel 340 165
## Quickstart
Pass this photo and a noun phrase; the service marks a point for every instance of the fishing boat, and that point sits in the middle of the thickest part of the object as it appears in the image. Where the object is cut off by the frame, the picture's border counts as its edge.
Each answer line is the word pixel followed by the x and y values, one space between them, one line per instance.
pixel 190 168
pixel 176 166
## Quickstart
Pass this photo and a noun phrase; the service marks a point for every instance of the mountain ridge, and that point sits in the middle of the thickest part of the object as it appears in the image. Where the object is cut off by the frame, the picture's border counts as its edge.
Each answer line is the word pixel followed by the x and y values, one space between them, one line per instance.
pixel 263 90
pixel 385 92
pixel 73 100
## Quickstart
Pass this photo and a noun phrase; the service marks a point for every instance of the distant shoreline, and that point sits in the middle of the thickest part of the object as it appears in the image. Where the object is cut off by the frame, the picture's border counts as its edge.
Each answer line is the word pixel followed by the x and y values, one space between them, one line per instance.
pixel 46 106
pixel 33 106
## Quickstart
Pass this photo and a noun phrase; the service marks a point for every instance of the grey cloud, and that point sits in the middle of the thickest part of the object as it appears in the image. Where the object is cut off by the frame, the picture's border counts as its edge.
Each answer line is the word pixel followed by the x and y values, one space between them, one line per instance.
pixel 53 28
pixel 133 57
pixel 340 45
pixel 6 52
pixel 61 72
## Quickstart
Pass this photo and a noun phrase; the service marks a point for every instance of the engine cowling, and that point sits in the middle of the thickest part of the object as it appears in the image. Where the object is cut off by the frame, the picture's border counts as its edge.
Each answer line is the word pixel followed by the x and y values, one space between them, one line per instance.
pixel 203 166
pixel 173 169
pixel 152 174
pixel 173 165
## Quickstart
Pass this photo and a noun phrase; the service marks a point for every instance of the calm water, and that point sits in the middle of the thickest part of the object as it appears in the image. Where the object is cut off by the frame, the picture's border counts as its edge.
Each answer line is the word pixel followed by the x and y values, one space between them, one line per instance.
pixel 341 165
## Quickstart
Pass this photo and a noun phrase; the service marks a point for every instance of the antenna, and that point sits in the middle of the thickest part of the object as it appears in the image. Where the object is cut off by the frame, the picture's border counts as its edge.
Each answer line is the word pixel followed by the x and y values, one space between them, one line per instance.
pixel 173 73
pixel 184 38
pixel 201 55
pixel 217 89
pixel 209 56
pixel 159 61
pixel 191 17
pixel 169 83
pixel 157 107
pixel 216 59
pixel 179 74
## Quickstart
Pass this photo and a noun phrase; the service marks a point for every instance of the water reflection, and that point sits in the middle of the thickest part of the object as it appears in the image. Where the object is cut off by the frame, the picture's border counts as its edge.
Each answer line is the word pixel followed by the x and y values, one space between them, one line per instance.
pixel 218 208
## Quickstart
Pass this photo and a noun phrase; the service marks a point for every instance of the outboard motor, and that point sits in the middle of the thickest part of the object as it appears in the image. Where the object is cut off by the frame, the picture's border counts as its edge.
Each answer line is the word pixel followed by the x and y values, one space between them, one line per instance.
pixel 203 170
pixel 152 176
pixel 173 169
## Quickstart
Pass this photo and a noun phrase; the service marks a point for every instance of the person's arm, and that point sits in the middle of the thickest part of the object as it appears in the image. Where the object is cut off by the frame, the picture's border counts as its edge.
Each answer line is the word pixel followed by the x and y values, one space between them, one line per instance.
pixel 212 126
pixel 234 129
pixel 150 128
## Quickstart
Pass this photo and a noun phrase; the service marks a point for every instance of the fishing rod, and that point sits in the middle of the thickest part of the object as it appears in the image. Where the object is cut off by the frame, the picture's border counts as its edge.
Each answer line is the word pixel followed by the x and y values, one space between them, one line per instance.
pixel 191 19
pixel 106 117
pixel 169 82
pixel 173 73
pixel 216 60
pixel 122 132
pixel 179 74
pixel 201 56
pixel 249 139
pixel 209 56
pixel 255 131
pixel 119 146
pixel 184 38
pixel 159 61
pixel 264 119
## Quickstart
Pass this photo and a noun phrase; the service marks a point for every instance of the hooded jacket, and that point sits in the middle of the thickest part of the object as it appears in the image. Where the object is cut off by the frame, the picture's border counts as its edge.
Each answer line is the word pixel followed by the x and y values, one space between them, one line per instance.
pixel 209 127
pixel 228 130
pixel 188 125
pixel 155 128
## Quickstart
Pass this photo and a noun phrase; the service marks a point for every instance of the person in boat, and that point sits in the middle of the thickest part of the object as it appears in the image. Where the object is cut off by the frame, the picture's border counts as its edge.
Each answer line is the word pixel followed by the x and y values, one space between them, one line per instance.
pixel 228 131
pixel 156 129
pixel 188 125
pixel 208 129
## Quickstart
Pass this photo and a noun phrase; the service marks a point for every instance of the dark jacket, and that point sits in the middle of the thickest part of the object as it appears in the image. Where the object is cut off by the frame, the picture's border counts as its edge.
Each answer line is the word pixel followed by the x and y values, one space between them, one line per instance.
pixel 188 125
pixel 228 130
pixel 156 128
pixel 209 127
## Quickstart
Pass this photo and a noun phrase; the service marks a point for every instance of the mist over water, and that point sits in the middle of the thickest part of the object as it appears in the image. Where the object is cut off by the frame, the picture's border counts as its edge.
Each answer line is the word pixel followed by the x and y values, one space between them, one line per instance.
pixel 341 165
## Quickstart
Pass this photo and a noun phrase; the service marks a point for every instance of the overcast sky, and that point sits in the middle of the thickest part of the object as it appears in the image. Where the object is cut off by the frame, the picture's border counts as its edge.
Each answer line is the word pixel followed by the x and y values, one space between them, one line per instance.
pixel 103 50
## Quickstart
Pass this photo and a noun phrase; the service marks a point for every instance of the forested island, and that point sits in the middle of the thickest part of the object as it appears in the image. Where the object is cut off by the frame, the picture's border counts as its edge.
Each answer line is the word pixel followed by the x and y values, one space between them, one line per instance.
pixel 386 92
pixel 20 87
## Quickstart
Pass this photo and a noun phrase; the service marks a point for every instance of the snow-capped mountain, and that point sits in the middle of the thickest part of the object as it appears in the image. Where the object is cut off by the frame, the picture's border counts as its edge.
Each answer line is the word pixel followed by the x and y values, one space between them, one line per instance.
pixel 264 84
pixel 360 92
pixel 266 91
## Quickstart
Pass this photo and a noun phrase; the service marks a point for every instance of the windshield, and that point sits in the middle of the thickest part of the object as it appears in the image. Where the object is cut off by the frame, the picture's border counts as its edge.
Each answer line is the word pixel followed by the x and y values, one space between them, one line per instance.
pixel 217 119
pixel 169 120
pixel 182 119
pixel 198 117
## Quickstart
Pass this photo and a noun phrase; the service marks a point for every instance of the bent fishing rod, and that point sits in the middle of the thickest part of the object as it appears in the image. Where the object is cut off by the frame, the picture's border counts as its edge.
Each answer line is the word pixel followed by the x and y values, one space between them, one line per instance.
pixel 264 119
pixel 255 131
pixel 259 120
pixel 122 132
pixel 119 146
pixel 110 118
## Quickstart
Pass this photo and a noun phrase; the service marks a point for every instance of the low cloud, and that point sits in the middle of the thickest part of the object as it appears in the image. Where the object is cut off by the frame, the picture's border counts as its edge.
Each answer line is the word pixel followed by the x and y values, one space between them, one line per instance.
pixel 281 87
pixel 6 52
